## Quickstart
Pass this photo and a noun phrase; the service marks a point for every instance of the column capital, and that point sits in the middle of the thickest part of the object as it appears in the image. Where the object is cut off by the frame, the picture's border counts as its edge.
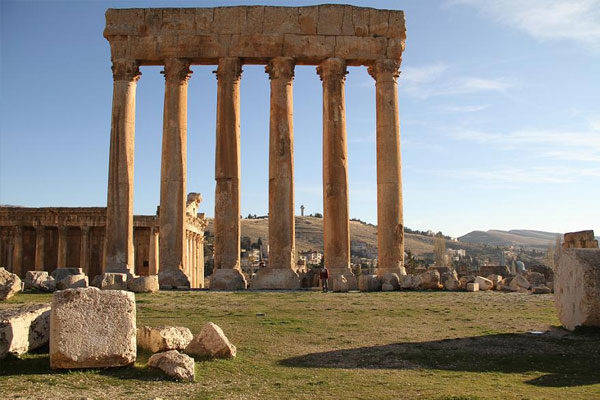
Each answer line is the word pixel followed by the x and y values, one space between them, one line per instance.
pixel 332 69
pixel 281 67
pixel 177 69
pixel 229 68
pixel 384 69
pixel 126 70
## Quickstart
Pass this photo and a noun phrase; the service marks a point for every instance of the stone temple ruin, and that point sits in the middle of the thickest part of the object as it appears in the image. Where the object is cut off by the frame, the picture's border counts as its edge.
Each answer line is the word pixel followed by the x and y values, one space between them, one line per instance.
pixel 331 37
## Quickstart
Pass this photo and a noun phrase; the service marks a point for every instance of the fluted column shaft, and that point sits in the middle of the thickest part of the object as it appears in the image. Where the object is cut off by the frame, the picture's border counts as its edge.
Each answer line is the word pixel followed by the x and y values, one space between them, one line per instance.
pixel 390 222
pixel 282 245
pixel 17 251
pixel 84 252
pixel 62 247
pixel 40 241
pixel 153 252
pixel 227 165
pixel 173 167
pixel 336 228
pixel 118 256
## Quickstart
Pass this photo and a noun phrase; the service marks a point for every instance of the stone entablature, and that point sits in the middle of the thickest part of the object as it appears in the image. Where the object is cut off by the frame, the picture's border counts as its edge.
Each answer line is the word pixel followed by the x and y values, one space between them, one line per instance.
pixel 256 34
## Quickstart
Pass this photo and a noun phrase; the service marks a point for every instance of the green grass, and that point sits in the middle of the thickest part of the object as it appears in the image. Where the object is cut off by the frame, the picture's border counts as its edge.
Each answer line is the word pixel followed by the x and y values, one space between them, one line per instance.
pixel 309 345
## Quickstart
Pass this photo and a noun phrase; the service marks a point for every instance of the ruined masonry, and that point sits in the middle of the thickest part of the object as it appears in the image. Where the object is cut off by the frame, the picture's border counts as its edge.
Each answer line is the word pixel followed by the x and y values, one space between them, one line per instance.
pixel 331 37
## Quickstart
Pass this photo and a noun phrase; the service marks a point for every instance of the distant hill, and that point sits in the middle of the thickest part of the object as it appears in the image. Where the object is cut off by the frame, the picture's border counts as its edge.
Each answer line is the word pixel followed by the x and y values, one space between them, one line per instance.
pixel 514 237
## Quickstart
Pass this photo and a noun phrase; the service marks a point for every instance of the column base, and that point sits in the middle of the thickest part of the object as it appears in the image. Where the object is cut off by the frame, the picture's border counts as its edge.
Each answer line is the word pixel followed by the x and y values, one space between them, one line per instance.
pixel 228 279
pixel 338 276
pixel 173 279
pixel 275 279
pixel 382 271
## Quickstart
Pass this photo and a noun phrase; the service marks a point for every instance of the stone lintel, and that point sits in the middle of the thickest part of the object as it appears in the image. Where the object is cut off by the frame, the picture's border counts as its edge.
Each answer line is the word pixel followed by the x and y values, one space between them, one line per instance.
pixel 256 34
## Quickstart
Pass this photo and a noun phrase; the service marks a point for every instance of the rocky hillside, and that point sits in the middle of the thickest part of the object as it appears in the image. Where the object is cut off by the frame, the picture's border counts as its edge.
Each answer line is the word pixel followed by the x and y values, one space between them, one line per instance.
pixel 515 237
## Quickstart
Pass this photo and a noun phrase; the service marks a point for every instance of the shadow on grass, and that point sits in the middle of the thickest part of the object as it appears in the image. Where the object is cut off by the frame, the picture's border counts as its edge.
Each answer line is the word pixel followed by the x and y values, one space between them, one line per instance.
pixel 565 359
pixel 39 364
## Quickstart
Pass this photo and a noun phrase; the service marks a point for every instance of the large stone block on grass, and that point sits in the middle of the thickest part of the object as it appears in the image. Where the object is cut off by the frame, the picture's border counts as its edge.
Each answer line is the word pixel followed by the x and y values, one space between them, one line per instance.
pixel 173 279
pixel 39 280
pixel 275 278
pixel 174 364
pixel 228 279
pixel 484 283
pixel 10 284
pixel 24 328
pixel 72 282
pixel 430 280
pixel 163 338
pixel 211 342
pixel 143 284
pixel 369 283
pixel 111 281
pixel 577 288
pixel 92 328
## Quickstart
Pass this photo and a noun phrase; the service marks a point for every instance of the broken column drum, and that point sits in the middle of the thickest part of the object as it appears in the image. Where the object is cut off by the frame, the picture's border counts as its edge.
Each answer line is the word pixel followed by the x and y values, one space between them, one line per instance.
pixel 331 37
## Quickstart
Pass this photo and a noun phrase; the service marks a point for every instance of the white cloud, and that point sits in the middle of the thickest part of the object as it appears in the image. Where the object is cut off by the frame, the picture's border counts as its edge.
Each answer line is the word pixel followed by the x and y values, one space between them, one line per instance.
pixel 513 175
pixel 435 80
pixel 577 20
pixel 560 145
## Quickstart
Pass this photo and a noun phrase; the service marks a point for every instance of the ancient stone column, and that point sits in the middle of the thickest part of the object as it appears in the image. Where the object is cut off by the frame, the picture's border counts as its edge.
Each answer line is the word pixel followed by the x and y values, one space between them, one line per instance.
pixel 118 256
pixel 200 262
pixel 227 274
pixel 62 247
pixel 173 175
pixel 336 227
pixel 40 239
pixel 390 222
pixel 153 252
pixel 84 252
pixel 17 251
pixel 282 247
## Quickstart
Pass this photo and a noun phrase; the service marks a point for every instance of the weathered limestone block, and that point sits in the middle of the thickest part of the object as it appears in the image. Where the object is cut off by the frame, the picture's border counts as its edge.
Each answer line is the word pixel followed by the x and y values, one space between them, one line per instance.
pixel 430 280
pixel 580 240
pixel 10 284
pixel 72 282
pixel 174 364
pixel 339 283
pixel 451 282
pixel 111 281
pixel 24 328
pixel 542 289
pixel 211 342
pixel 228 279
pixel 484 283
pixel 501 270
pixel 369 283
pixel 387 287
pixel 535 278
pixel 472 287
pixel 496 279
pixel 172 279
pixel 39 280
pixel 92 328
pixel 60 273
pixel 275 278
pixel 464 280
pixel 143 284
pixel 577 288
pixel 504 285
pixel 391 278
pixel 163 338
pixel 520 283
pixel 409 282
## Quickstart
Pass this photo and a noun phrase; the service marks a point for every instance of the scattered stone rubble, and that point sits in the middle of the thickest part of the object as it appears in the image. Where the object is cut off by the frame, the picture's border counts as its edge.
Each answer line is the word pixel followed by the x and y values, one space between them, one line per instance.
pixel 174 364
pixel 24 328
pixel 10 284
pixel 163 338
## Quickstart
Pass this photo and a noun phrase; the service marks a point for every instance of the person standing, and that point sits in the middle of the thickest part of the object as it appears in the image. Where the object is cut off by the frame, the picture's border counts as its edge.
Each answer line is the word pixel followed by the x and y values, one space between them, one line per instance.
pixel 324 275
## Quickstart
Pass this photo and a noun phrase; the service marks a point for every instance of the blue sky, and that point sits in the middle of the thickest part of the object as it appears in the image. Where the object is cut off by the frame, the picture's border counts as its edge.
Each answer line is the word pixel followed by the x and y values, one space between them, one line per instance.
pixel 499 112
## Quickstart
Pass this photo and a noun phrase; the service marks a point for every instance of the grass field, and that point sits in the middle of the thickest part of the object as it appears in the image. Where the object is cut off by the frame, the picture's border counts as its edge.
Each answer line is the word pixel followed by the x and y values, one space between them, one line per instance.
pixel 311 345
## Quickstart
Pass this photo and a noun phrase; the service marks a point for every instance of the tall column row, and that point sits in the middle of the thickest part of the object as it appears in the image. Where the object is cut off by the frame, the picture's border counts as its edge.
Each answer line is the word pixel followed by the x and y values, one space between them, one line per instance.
pixel 175 253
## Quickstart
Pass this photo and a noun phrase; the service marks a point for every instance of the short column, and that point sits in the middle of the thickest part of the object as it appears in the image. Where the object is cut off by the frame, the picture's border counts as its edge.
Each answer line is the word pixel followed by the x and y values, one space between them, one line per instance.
pixel 282 248
pixel 84 251
pixel 173 175
pixel 118 255
pixel 62 247
pixel 17 251
pixel 40 241
pixel 200 262
pixel 227 273
pixel 390 223
pixel 153 252
pixel 336 227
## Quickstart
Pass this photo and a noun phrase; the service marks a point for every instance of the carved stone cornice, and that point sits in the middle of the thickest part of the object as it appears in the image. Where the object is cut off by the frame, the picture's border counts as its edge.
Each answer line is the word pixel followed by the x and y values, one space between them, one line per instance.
pixel 177 69
pixel 384 68
pixel 229 68
pixel 332 69
pixel 281 68
pixel 126 70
